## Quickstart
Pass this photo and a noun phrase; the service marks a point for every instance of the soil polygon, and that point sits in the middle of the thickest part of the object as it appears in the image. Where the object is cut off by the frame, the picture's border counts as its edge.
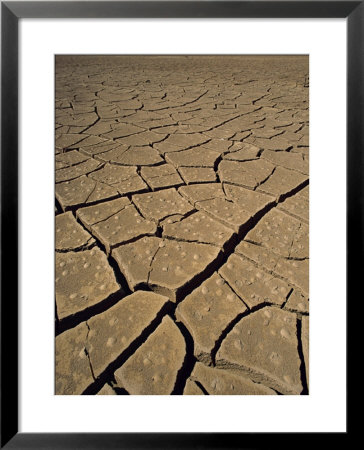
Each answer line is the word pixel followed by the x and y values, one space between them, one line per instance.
pixel 195 157
pixel 207 312
pixel 81 191
pixel 154 366
pixel 198 227
pixel 72 367
pixel 248 174
pixel 71 158
pixel 124 226
pixel 224 382
pixel 282 234
pixel 294 271
pixel 282 181
pixel 131 156
pixel 70 236
pixel 166 266
pixel 83 279
pixel 159 205
pixel 254 286
pixel 124 179
pixel 197 174
pixel 161 176
pixel 265 345
pixel 75 171
pixel 111 332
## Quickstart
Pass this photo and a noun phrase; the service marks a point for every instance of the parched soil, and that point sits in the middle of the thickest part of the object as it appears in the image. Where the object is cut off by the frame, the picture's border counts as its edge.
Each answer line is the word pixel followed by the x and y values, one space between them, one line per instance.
pixel 182 193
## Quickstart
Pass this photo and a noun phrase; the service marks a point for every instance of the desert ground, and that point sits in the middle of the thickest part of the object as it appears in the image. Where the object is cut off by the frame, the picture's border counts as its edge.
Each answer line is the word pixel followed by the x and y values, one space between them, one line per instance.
pixel 181 225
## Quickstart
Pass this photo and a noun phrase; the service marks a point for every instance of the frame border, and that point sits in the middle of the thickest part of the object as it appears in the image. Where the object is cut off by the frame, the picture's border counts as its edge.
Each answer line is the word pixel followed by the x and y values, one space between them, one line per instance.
pixel 11 12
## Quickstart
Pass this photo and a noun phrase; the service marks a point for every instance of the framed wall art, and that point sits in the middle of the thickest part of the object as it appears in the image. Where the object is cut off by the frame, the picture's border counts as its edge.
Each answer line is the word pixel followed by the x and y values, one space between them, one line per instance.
pixel 181 198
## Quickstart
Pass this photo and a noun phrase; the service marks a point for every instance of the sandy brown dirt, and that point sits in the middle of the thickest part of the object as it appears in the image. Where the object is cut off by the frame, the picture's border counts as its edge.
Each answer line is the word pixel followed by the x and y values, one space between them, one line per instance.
pixel 182 225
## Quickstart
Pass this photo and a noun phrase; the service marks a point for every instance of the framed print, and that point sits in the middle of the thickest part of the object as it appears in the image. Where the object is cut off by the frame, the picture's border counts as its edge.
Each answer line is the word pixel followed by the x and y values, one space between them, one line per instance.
pixel 171 221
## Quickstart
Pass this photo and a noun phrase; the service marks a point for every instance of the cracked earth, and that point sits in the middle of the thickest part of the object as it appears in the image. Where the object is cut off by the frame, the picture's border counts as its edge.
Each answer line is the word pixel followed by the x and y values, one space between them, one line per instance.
pixel 181 225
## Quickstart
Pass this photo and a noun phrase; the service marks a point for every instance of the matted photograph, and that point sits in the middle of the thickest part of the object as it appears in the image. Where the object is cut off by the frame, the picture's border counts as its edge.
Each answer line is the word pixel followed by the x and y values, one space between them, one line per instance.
pixel 181 224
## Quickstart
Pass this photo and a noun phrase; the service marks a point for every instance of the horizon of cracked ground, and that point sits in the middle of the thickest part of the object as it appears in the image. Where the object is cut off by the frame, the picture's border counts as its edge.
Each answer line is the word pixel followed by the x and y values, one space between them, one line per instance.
pixel 182 225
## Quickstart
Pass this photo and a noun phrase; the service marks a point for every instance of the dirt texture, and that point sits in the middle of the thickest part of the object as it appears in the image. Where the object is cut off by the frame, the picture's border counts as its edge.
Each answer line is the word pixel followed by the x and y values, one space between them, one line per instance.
pixel 182 225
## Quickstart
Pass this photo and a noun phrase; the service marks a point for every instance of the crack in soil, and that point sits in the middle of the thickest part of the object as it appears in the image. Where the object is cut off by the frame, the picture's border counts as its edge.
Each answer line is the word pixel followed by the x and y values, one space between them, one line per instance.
pixel 180 105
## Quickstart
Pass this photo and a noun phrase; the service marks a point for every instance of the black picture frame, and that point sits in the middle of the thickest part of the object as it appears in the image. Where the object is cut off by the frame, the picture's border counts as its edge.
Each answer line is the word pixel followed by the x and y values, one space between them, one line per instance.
pixel 11 12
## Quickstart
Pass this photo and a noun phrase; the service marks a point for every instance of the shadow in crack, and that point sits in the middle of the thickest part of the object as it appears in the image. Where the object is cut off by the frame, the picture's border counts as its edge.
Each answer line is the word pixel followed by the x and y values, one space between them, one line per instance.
pixel 120 391
pixel 188 363
pixel 300 353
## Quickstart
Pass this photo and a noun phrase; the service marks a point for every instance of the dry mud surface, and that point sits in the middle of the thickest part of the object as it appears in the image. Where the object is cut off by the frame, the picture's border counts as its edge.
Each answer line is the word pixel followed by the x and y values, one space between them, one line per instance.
pixel 182 225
